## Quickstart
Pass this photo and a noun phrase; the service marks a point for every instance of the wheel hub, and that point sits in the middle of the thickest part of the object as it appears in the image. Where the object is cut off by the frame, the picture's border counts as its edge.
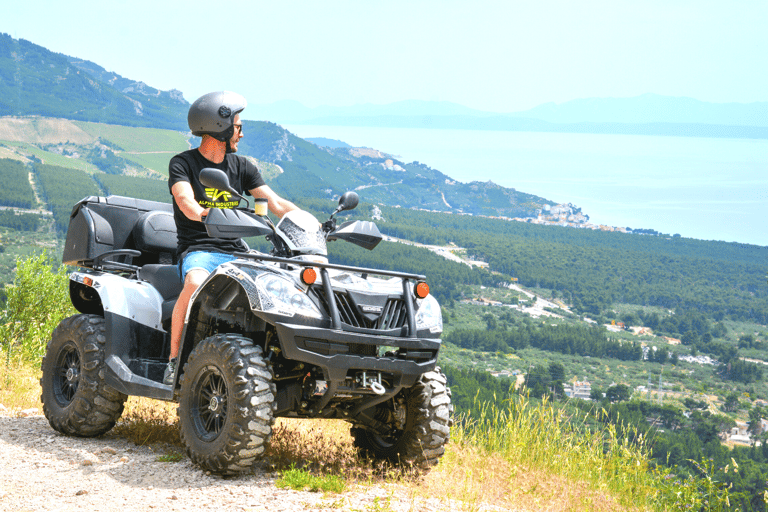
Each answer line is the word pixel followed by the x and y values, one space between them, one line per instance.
pixel 214 404
pixel 72 374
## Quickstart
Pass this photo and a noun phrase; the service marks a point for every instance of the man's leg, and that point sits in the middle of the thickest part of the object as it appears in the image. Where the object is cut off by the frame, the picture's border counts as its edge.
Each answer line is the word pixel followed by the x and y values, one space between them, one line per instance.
pixel 192 282
pixel 195 269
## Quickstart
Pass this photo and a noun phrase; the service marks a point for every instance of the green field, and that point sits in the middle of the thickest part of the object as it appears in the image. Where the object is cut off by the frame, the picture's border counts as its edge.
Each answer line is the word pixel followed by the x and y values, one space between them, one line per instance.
pixel 157 162
pixel 133 139
pixel 141 188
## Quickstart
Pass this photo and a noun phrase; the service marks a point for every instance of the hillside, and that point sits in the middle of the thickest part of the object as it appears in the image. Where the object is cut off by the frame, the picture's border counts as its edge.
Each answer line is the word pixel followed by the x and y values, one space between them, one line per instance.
pixel 306 170
pixel 37 82
pixel 310 170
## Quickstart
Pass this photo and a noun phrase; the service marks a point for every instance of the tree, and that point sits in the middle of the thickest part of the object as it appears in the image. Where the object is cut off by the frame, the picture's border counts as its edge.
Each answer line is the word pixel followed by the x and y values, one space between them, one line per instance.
pixel 746 341
pixel 557 372
pixel 618 393
pixel 537 375
pixel 689 338
pixel 756 414
pixel 490 321
pixel 731 402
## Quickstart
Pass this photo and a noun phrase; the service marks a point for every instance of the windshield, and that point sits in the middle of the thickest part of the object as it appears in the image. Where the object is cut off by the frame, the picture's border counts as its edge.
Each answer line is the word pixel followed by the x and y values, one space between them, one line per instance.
pixel 302 232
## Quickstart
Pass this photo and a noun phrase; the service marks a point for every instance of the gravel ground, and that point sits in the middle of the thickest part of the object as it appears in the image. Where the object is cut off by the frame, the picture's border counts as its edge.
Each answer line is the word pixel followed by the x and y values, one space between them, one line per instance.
pixel 41 469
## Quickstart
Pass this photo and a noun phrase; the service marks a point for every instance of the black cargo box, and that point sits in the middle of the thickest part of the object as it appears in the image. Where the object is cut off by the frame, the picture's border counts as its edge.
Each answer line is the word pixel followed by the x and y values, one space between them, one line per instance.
pixel 101 224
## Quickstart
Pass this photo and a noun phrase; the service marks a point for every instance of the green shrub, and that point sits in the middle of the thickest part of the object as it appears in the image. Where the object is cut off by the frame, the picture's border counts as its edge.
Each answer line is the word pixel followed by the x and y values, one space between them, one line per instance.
pixel 301 479
pixel 37 301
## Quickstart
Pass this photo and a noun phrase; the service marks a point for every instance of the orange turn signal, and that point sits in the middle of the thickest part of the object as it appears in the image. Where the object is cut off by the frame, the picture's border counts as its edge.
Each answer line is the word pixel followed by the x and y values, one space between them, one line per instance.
pixel 87 281
pixel 308 275
pixel 422 290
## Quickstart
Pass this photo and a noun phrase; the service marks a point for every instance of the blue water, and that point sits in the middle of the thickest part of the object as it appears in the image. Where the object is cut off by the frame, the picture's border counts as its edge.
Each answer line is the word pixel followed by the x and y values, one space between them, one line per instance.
pixel 705 188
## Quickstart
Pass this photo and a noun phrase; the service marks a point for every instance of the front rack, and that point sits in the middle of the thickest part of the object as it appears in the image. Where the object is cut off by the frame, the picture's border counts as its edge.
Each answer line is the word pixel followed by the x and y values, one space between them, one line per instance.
pixel 328 289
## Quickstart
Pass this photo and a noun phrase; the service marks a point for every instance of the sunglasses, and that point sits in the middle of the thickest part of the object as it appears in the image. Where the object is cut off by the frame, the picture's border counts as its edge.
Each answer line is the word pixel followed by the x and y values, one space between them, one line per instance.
pixel 238 127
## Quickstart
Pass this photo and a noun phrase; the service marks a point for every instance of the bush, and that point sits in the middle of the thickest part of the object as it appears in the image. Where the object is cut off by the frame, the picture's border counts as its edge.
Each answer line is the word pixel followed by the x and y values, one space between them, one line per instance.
pixel 37 301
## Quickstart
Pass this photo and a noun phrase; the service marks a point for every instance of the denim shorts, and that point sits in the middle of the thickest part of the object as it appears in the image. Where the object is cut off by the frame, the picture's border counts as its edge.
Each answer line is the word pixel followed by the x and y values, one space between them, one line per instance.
pixel 199 260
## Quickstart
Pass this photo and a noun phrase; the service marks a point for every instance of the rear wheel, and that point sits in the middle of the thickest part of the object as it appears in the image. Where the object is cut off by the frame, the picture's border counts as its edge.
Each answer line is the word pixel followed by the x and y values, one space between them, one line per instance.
pixel 226 405
pixel 420 419
pixel 76 401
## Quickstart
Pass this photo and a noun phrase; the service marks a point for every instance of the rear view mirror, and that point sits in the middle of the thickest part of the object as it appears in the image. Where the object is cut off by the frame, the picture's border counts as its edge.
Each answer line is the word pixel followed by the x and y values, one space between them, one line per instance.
pixel 216 178
pixel 348 201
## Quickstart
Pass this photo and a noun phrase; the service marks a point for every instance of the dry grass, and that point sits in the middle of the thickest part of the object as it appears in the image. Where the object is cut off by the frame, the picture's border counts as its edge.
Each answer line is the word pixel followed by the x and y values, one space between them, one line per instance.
pixel 318 445
pixel 19 387
pixel 475 479
pixel 554 463
pixel 149 422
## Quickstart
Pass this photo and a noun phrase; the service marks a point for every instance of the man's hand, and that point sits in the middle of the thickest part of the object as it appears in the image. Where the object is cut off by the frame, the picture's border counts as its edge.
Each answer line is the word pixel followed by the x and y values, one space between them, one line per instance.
pixel 185 199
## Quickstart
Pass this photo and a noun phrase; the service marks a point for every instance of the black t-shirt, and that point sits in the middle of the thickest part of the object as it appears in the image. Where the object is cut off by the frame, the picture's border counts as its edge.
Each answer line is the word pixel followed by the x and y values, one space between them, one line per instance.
pixel 243 177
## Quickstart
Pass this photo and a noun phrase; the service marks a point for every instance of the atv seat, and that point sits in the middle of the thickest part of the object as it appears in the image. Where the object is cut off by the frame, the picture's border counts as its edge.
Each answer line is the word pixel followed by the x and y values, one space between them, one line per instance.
pixel 165 279
pixel 155 234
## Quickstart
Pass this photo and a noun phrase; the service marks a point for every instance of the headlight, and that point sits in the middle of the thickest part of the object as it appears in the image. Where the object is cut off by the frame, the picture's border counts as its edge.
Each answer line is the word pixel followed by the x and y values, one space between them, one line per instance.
pixel 429 315
pixel 288 299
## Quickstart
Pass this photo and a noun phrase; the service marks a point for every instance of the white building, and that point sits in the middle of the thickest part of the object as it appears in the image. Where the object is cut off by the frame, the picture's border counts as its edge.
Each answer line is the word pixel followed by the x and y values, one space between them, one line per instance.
pixel 578 390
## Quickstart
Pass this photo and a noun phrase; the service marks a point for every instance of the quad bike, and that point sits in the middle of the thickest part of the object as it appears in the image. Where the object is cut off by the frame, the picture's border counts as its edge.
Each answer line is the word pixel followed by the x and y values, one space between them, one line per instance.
pixel 284 334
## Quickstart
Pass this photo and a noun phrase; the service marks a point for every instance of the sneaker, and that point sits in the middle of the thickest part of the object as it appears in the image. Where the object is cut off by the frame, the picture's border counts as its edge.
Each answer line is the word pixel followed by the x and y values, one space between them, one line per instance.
pixel 170 371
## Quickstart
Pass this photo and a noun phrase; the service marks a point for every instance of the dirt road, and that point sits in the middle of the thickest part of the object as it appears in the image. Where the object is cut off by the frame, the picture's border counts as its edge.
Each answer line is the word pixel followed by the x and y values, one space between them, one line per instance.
pixel 42 470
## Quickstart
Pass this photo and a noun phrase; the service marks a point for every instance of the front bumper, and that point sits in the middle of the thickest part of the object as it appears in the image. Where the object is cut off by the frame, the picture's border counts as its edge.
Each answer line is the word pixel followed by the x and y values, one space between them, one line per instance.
pixel 330 350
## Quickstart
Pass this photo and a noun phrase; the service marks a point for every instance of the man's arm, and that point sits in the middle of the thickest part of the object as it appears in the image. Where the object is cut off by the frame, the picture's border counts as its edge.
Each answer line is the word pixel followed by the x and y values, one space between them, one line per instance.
pixel 185 198
pixel 277 204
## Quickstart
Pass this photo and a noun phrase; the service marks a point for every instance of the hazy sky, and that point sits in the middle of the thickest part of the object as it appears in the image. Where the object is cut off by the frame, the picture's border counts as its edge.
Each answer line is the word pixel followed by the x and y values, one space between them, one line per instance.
pixel 501 56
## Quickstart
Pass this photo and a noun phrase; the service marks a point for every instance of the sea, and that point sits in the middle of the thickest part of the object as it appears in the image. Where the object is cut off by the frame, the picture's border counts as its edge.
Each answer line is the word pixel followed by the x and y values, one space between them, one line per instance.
pixel 703 188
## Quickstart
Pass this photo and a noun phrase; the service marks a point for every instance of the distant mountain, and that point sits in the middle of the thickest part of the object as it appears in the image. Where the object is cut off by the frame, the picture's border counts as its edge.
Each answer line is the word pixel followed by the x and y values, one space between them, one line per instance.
pixel 289 111
pixel 328 143
pixel 648 114
pixel 36 81
pixel 651 108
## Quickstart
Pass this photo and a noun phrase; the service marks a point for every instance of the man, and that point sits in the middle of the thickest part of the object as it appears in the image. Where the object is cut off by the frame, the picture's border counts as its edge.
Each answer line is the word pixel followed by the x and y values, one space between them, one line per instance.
pixel 216 118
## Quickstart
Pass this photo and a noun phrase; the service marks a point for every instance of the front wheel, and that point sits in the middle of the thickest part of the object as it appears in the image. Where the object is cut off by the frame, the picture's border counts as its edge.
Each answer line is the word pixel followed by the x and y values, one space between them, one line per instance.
pixel 226 405
pixel 420 419
pixel 76 401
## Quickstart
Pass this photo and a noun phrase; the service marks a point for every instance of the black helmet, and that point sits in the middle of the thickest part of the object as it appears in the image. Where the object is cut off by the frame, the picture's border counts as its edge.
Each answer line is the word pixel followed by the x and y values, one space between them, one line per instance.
pixel 214 114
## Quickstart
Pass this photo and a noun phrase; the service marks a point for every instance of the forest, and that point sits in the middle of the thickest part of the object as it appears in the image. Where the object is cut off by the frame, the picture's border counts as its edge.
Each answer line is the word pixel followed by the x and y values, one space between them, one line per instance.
pixel 19 221
pixel 591 270
pixel 62 188
pixel 16 190
pixel 565 338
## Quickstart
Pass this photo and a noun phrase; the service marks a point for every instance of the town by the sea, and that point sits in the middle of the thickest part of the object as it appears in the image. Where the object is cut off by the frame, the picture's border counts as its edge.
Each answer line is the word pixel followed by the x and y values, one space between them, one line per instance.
pixel 705 188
